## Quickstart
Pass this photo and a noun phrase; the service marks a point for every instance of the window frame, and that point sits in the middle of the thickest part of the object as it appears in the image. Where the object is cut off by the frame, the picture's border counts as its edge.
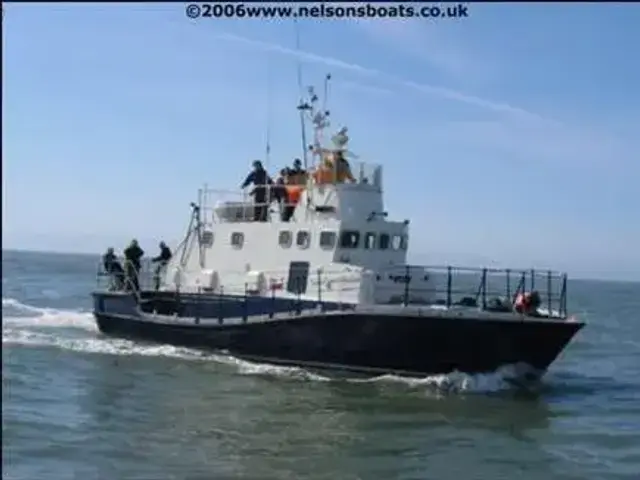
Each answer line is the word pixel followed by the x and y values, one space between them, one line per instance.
pixel 334 239
pixel 307 242
pixel 237 245
pixel 380 243
pixel 281 235
pixel 355 244
pixel 373 244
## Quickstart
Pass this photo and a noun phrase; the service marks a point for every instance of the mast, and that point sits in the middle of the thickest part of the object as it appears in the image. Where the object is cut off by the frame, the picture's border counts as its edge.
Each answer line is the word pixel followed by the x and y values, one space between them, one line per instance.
pixel 267 153
pixel 319 117
pixel 302 106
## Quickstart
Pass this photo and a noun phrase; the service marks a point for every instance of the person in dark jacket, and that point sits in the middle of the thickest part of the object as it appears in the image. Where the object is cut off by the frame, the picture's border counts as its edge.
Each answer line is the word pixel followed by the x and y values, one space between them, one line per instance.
pixel 297 174
pixel 261 182
pixel 279 190
pixel 133 255
pixel 113 268
pixel 162 260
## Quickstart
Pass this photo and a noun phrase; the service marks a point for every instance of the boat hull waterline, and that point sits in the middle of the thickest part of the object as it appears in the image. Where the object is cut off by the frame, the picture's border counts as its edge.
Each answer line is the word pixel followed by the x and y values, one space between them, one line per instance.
pixel 389 341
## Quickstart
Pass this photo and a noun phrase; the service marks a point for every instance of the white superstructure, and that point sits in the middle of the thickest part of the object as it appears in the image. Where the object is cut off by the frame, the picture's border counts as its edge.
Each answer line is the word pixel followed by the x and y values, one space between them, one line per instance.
pixel 337 246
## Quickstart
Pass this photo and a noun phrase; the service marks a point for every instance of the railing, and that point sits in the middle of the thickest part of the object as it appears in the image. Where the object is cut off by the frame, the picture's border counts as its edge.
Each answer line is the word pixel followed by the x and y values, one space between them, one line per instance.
pixel 149 277
pixel 492 289
pixel 447 287
pixel 364 174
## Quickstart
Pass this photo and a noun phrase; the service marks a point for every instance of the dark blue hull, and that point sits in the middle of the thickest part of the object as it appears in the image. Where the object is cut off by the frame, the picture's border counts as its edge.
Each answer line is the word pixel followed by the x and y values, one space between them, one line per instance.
pixel 393 341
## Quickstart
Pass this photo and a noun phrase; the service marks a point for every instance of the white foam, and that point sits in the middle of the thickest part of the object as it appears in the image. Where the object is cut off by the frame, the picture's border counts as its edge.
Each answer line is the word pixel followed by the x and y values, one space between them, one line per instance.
pixel 457 382
pixel 51 328
pixel 22 307
pixel 45 317
pixel 545 311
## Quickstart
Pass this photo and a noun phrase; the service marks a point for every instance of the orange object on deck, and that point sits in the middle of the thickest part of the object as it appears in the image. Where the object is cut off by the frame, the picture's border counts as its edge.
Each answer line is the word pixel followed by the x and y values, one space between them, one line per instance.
pixel 294 192
pixel 323 175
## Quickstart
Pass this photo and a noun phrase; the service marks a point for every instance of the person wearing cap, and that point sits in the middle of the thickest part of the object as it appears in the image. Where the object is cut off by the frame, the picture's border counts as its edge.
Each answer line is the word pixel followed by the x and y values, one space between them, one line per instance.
pixel 162 260
pixel 261 182
pixel 133 255
pixel 342 168
pixel 279 191
pixel 113 268
pixel 297 174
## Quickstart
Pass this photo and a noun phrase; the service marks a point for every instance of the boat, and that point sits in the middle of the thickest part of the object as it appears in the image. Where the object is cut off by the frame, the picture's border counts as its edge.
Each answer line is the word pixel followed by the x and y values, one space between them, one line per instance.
pixel 329 286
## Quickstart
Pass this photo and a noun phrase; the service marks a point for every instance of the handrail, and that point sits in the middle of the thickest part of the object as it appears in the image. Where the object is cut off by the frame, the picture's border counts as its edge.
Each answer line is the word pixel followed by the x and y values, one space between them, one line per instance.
pixel 450 286
pixel 364 174
pixel 125 282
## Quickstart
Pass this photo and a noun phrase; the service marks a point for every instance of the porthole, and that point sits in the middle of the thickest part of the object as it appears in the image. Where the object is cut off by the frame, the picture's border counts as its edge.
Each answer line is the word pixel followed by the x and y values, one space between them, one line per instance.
pixel 284 238
pixel 303 238
pixel 237 239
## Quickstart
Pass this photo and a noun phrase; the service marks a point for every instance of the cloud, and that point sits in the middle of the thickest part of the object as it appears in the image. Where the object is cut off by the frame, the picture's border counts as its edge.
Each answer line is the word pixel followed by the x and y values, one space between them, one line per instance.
pixel 532 136
pixel 435 46
pixel 359 87
pixel 431 90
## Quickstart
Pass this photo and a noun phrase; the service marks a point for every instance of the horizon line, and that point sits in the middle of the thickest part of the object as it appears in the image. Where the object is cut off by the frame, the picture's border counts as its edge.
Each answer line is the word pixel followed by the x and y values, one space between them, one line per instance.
pixel 91 254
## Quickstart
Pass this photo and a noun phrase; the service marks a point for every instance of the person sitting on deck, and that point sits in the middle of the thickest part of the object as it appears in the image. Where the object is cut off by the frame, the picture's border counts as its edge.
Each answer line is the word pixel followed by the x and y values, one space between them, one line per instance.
pixel 132 255
pixel 527 303
pixel 113 268
pixel 261 181
pixel 162 260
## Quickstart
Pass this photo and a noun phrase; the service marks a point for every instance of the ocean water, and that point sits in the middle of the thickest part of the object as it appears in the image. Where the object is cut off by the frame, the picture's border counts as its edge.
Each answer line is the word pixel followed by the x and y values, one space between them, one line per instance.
pixel 76 404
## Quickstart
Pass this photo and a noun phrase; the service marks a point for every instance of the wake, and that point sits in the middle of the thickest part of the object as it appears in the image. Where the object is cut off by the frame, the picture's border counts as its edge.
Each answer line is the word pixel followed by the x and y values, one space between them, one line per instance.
pixel 74 330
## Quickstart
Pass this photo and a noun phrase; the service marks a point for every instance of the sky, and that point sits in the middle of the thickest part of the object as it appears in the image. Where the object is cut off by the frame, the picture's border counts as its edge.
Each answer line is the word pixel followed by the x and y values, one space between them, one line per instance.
pixel 509 138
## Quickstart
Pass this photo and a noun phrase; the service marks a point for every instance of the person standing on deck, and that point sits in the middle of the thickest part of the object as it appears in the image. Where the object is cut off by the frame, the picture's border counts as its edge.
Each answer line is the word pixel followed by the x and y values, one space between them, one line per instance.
pixel 297 174
pixel 342 168
pixel 279 191
pixel 132 255
pixel 261 182
pixel 162 260
pixel 113 268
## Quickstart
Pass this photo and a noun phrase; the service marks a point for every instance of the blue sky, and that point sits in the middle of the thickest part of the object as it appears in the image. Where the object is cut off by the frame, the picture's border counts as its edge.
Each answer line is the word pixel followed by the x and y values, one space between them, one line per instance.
pixel 510 137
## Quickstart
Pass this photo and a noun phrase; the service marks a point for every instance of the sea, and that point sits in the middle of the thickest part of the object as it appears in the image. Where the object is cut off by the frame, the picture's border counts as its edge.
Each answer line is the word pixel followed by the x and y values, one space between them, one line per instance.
pixel 79 405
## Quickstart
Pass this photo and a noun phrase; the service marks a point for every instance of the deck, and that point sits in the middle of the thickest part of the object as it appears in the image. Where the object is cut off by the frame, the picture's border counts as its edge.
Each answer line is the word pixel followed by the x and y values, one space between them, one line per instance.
pixel 457 291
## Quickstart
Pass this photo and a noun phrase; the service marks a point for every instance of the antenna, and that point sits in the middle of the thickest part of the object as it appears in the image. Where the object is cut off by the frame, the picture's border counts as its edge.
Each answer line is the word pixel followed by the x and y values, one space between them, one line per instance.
pixel 325 95
pixel 302 106
pixel 267 153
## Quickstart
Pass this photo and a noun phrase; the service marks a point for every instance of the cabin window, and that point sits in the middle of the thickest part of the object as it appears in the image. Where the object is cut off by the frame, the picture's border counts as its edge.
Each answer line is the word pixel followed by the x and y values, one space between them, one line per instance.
pixel 303 238
pixel 383 241
pixel 327 240
pixel 349 239
pixel 396 242
pixel 284 238
pixel 404 243
pixel 207 238
pixel 370 241
pixel 237 239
